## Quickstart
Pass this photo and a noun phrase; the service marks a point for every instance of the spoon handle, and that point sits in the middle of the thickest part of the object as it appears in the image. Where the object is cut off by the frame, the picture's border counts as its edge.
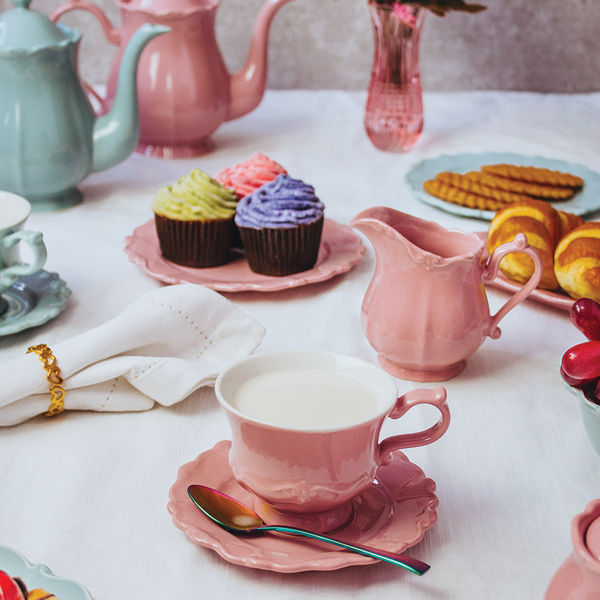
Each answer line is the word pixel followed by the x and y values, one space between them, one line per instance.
pixel 413 565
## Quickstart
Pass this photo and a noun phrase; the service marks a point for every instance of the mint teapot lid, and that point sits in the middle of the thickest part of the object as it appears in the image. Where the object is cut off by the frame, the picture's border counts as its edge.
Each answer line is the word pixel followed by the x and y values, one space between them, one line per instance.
pixel 24 30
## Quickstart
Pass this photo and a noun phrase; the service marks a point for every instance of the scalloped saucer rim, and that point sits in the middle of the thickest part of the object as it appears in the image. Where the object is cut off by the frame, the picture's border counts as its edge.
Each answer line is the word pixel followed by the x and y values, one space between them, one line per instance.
pixel 341 249
pixel 585 202
pixel 33 300
pixel 40 576
pixel 382 517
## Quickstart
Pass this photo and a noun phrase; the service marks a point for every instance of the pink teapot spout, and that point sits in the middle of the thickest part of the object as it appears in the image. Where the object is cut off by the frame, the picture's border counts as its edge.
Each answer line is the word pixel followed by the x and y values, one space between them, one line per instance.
pixel 184 89
pixel 248 84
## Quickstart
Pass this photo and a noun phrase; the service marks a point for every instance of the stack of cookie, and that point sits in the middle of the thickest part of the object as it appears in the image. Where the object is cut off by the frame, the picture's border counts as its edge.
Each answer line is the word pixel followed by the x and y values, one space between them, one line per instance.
pixel 496 186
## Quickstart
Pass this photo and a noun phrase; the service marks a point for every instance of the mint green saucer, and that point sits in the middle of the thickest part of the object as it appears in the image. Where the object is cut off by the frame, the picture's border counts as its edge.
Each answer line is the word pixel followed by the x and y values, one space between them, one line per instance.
pixel 40 576
pixel 585 202
pixel 32 301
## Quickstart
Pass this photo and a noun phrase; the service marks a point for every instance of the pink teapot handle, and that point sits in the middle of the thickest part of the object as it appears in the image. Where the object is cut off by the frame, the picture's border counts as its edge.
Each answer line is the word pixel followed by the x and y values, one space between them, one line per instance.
pixel 112 34
pixel 519 244
pixel 435 397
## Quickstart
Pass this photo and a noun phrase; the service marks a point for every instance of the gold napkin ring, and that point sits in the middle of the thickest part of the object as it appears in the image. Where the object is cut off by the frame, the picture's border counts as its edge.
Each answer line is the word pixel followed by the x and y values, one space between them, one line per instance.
pixel 57 404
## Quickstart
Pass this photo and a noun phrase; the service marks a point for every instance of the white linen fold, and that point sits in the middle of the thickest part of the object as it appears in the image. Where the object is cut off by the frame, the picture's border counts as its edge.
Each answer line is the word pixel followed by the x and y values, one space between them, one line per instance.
pixel 162 347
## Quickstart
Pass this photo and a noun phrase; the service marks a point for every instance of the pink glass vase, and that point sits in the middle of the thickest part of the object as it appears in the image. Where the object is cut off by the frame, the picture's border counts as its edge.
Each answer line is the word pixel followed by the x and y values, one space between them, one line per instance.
pixel 394 112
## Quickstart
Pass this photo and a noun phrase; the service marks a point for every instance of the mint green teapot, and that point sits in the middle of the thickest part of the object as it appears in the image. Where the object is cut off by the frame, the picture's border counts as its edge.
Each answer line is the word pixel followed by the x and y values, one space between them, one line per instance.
pixel 50 136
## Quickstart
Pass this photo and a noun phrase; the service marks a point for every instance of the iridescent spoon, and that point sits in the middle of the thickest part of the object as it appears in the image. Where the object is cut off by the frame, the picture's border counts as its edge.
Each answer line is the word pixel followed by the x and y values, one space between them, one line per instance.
pixel 238 518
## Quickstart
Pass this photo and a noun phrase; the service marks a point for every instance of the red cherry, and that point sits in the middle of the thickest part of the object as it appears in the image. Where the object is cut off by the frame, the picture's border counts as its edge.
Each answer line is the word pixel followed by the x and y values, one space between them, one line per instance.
pixel 582 362
pixel 585 315
pixel 9 588
pixel 569 380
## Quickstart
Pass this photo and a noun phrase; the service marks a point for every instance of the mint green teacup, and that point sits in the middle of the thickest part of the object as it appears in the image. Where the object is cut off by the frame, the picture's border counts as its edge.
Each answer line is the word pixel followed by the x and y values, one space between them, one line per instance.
pixel 14 211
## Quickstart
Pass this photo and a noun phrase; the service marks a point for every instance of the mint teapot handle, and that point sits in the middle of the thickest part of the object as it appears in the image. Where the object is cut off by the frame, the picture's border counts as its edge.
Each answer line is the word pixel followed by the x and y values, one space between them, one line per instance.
pixel 112 34
pixel 519 244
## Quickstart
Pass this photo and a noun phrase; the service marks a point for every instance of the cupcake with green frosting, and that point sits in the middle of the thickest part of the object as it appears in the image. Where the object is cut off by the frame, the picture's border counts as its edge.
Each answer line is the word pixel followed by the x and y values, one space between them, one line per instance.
pixel 194 220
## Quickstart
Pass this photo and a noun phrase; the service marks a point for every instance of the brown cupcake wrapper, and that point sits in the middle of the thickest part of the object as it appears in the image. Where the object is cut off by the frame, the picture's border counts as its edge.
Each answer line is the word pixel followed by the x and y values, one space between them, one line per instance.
pixel 197 244
pixel 281 252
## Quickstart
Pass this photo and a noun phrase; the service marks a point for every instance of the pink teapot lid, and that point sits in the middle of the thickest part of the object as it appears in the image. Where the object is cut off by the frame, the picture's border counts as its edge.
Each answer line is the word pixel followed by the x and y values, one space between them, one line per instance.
pixel 167 6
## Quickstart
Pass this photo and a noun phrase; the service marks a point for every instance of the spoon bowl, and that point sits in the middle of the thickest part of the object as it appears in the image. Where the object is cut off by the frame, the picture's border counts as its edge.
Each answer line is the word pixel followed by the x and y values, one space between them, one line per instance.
pixel 236 517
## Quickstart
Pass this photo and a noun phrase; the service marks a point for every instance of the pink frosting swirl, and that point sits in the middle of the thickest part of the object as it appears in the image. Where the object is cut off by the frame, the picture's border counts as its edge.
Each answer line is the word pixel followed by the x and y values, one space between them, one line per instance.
pixel 250 174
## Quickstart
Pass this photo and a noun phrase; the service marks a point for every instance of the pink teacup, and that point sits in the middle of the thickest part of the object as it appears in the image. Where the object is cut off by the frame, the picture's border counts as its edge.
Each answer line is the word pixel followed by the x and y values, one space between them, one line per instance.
pixel 305 430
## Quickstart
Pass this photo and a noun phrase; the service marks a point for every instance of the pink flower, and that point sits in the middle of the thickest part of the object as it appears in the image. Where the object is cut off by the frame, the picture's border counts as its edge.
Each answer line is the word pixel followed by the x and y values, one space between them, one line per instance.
pixel 404 13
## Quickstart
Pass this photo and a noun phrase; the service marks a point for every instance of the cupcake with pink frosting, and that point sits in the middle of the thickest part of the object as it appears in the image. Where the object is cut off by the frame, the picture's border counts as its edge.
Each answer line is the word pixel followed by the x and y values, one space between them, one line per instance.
pixel 245 178
pixel 250 174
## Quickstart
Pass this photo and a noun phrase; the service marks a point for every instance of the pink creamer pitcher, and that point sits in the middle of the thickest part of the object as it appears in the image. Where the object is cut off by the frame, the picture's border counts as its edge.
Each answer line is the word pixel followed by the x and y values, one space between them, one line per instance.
pixel 426 310
pixel 184 89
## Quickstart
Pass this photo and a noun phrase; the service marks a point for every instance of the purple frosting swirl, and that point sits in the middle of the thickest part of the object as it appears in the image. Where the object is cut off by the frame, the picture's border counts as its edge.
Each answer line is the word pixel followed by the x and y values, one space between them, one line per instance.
pixel 281 203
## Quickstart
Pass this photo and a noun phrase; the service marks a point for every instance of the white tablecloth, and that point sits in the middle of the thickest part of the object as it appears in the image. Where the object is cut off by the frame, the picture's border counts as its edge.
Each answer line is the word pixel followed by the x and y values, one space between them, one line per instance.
pixel 86 493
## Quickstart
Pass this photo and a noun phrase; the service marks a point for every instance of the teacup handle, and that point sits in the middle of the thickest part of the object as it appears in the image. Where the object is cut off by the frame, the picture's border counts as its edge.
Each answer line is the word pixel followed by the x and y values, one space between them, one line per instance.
pixel 519 244
pixel 435 397
pixel 112 34
pixel 34 240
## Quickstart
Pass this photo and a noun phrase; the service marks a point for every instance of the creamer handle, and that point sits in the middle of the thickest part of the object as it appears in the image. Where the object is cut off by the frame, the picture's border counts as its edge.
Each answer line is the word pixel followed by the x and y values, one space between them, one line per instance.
pixel 519 244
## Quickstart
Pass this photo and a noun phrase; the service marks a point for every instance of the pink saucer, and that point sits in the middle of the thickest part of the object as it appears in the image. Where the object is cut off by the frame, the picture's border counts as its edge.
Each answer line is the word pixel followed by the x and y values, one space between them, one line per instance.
pixel 341 249
pixel 393 514
pixel 558 300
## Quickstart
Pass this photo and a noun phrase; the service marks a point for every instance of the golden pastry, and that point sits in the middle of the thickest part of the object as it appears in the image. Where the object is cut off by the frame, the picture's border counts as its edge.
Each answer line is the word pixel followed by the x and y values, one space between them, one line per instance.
pixel 466 184
pixel 40 594
pixel 577 262
pixel 568 222
pixel 451 194
pixel 521 187
pixel 534 175
pixel 541 224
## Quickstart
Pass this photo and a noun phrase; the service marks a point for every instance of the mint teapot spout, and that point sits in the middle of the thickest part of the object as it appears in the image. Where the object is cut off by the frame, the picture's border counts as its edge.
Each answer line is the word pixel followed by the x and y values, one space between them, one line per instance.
pixel 185 90
pixel 51 137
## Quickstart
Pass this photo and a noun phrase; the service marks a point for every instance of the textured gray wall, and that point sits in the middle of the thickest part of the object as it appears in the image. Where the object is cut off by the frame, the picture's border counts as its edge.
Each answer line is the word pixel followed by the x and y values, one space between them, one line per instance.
pixel 540 45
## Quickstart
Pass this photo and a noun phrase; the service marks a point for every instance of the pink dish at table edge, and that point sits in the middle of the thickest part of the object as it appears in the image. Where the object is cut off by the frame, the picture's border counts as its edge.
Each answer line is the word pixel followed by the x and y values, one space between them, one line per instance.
pixel 341 249
pixel 393 514
pixel 578 578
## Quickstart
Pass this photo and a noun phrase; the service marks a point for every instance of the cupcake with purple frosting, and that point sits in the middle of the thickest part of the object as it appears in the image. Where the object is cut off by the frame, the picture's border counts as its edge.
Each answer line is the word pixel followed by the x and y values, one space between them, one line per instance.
pixel 281 224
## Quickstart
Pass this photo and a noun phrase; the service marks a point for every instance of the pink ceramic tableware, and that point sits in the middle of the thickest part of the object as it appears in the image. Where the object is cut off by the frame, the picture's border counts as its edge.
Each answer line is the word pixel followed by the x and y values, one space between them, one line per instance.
pixel 425 310
pixel 341 249
pixel 184 89
pixel 557 299
pixel 392 514
pixel 305 431
pixel 578 578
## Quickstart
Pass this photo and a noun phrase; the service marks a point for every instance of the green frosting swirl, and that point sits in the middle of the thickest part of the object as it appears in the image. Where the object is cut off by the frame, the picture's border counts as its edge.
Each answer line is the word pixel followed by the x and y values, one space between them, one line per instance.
pixel 195 197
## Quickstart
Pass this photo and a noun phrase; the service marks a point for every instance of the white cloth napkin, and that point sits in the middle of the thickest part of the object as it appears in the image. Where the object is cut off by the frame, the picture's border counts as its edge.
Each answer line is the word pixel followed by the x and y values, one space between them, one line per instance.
pixel 161 348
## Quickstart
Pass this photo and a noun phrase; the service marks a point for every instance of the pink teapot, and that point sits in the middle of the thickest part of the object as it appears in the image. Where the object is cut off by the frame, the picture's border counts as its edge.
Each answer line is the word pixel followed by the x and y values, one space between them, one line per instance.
pixel 578 578
pixel 184 89
pixel 426 310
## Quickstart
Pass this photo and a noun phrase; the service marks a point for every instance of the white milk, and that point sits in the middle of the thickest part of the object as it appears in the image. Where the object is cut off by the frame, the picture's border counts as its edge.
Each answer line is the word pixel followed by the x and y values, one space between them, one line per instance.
pixel 306 399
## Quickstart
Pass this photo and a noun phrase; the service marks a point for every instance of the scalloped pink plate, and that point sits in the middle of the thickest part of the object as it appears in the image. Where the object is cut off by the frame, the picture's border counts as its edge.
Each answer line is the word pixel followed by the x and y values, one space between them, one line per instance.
pixel 393 514
pixel 341 249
